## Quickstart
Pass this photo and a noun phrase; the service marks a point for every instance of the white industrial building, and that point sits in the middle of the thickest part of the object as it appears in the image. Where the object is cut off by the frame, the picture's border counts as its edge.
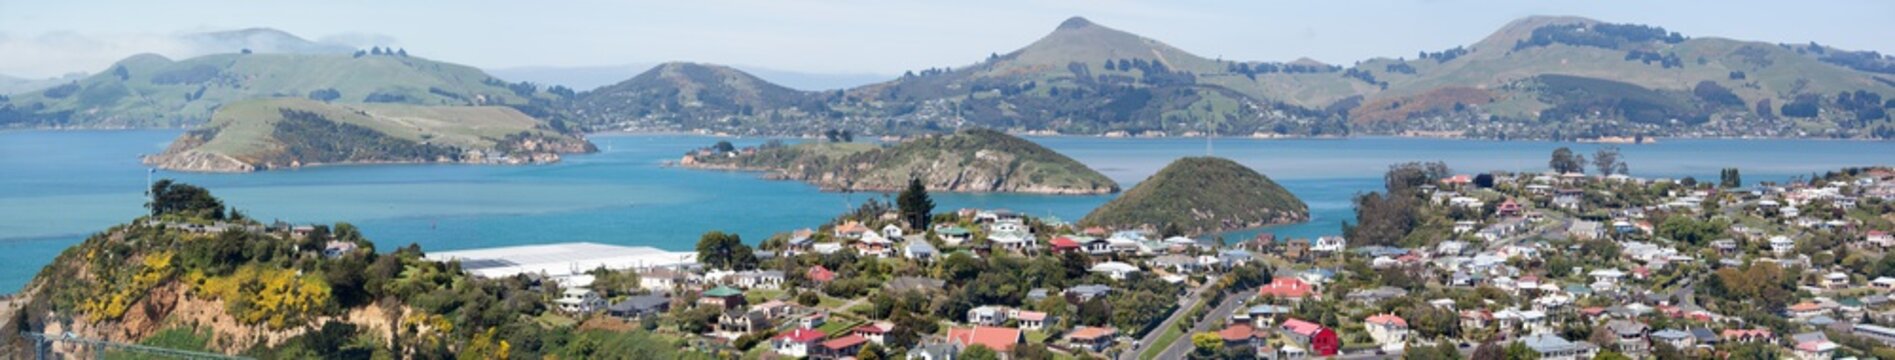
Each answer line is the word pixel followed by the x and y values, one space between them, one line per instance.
pixel 561 261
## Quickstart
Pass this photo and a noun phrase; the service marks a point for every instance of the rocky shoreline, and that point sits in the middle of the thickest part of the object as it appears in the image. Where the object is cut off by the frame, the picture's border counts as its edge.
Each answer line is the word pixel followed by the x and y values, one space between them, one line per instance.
pixel 957 183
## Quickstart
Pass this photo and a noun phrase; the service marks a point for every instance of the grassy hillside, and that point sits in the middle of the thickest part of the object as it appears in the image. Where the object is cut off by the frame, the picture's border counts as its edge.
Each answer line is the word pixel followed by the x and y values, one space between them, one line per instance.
pixel 1201 195
pixel 974 160
pixel 152 91
pixel 274 133
pixel 695 95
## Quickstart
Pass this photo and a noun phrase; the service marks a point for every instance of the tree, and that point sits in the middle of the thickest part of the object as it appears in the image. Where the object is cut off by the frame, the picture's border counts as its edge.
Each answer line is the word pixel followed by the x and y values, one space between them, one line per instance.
pixel 870 351
pixel 1730 178
pixel 1484 181
pixel 979 352
pixel 168 197
pixel 1488 351
pixel 1206 343
pixel 915 205
pixel 723 147
pixel 721 250
pixel 1564 161
pixel 1607 161
pixel 1519 351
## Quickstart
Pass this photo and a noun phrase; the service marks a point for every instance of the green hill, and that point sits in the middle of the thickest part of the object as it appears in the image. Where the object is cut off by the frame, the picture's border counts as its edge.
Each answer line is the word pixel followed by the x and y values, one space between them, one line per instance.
pixel 152 91
pixel 1201 195
pixel 974 160
pixel 283 133
pixel 678 95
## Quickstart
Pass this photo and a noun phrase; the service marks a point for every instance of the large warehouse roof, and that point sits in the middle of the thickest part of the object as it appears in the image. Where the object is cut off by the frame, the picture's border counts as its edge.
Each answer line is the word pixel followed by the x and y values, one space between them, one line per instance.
pixel 560 260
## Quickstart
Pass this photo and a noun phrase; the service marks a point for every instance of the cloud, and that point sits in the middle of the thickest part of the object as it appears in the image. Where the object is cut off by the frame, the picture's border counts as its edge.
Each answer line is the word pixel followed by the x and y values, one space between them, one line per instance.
pixel 58 53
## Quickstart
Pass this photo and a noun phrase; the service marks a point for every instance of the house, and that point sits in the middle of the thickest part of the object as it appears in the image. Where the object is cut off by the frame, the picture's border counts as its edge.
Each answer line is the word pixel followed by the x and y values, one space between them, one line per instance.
pixel 919 251
pixel 814 320
pixel 1880 238
pixel 1115 270
pixel 1018 239
pixel 723 296
pixel 893 232
pixel 1241 335
pixel 640 306
pixel 1286 288
pixel 1585 230
pixel 1083 293
pixel 876 332
pixel 1878 333
pixel 336 248
pixel 1507 208
pixel 819 274
pixel 760 279
pixel 1606 279
pixel 1319 339
pixel 1388 330
pixel 1748 335
pixel 1782 245
pixel 851 230
pixel 1630 335
pixel 954 235
pixel 1806 310
pixel 997 338
pixel 579 301
pixel 1064 244
pixel 1329 244
pixel 1092 338
pixel 796 343
pixel 1820 349
pixel 663 279
pixel 987 315
pixel 1030 320
pixel 735 323
pixel 1372 296
pixel 1678 339
pixel 845 347
pixel 1835 280
pixel 1260 316
pixel 1177 263
pixel 873 244
pixel 1553 347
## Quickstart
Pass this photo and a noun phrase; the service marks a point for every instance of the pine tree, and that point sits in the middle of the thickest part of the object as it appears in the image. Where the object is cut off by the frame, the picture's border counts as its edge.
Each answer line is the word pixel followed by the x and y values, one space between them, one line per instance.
pixel 915 205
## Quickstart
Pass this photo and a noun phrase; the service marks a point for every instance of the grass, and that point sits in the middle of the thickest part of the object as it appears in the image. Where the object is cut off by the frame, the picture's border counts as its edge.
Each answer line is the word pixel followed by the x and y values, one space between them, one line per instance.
pixel 831 302
pixel 1037 336
pixel 245 128
pixel 757 296
pixel 838 326
pixel 553 320
pixel 176 338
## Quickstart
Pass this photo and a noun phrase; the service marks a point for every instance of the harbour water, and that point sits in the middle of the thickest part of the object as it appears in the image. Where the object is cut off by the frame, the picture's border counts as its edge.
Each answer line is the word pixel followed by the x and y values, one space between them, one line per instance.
pixel 56 187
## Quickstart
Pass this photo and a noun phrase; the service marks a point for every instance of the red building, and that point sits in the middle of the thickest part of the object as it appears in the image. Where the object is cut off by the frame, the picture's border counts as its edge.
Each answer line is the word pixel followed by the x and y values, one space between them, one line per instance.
pixel 1320 340
pixel 1063 244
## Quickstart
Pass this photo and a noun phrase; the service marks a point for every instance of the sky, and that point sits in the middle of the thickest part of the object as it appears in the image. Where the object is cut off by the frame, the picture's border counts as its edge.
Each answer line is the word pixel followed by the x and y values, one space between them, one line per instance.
pixel 47 38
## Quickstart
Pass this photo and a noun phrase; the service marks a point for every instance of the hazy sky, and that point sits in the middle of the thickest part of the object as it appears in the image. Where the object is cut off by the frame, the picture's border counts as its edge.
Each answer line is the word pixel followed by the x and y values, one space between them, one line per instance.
pixel 41 38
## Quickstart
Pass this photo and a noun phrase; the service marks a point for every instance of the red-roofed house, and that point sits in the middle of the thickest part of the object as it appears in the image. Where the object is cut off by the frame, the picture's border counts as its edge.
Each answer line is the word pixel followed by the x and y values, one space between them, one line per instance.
pixel 842 347
pixel 1063 244
pixel 851 230
pixel 1880 238
pixel 875 332
pixel 1389 330
pixel 1507 208
pixel 820 274
pixel 1241 335
pixel 796 343
pixel 1286 288
pixel 1320 340
pixel 1093 338
pixel 1030 320
pixel 997 338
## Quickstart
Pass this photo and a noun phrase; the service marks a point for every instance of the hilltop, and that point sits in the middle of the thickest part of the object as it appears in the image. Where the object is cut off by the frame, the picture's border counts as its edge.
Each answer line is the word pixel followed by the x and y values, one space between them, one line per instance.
pixel 154 91
pixel 694 95
pixel 288 133
pixel 196 276
pixel 1538 77
pixel 1201 195
pixel 974 160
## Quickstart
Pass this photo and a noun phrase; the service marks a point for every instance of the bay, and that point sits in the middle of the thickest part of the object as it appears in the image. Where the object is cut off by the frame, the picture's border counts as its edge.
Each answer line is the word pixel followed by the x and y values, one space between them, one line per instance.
pixel 58 186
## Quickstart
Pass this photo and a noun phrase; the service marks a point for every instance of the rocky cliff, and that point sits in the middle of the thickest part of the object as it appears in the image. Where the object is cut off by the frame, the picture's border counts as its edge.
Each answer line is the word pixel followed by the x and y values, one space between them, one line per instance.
pixel 967 161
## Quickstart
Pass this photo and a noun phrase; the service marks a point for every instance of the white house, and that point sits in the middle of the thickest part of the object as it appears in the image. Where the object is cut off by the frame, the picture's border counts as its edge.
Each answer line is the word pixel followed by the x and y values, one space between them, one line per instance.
pixel 579 301
pixel 1388 330
pixel 1115 270
pixel 1782 245
pixel 1329 244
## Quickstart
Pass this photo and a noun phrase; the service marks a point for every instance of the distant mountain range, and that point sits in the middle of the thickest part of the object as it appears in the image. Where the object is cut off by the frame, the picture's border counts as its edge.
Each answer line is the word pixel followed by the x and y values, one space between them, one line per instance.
pixel 1537 77
pixel 585 78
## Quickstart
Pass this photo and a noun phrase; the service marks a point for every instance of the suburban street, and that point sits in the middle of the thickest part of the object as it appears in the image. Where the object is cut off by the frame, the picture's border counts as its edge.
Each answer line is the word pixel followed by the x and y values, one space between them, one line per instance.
pixel 1231 304
pixel 1190 300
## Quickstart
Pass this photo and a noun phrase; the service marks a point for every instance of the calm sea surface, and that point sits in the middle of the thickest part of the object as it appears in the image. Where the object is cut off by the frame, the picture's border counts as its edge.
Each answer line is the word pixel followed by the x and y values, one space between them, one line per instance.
pixel 58 186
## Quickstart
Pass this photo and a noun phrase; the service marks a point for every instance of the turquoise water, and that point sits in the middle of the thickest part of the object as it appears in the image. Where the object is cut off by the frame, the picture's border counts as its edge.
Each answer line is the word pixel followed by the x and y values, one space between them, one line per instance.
pixel 56 187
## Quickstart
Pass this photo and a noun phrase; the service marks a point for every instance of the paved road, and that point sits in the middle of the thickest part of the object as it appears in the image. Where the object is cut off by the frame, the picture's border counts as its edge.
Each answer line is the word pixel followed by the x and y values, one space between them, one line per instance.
pixel 1231 303
pixel 1184 305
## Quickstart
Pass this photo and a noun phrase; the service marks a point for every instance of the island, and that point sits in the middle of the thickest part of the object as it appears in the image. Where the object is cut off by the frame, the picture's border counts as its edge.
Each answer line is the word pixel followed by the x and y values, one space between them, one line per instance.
pixel 290 133
pixel 976 160
pixel 1197 195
